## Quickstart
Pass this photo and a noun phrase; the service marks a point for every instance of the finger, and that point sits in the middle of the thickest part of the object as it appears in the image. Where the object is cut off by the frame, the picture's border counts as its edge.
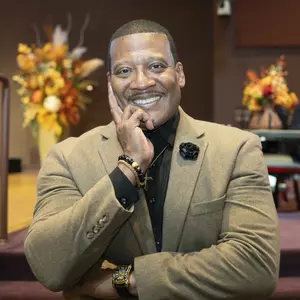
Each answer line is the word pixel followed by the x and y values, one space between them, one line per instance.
pixel 131 109
pixel 128 111
pixel 111 97
pixel 142 116
pixel 115 109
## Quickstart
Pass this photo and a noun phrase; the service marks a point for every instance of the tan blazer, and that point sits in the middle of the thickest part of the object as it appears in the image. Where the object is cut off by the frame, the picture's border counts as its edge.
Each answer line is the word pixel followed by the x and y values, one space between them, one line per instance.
pixel 220 227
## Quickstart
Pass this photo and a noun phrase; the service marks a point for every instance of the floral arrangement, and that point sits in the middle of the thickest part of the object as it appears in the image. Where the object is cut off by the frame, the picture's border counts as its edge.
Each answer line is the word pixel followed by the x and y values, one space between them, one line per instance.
pixel 269 90
pixel 52 80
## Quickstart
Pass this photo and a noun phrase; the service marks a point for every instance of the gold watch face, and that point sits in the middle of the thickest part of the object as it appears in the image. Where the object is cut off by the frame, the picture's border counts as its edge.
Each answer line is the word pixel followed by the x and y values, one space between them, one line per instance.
pixel 121 277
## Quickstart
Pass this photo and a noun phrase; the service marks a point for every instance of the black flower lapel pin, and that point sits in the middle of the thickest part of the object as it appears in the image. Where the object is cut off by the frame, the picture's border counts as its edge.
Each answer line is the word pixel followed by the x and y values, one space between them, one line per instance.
pixel 189 151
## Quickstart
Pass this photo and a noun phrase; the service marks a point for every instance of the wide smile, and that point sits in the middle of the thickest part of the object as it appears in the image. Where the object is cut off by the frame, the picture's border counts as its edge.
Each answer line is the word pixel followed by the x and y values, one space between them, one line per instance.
pixel 147 102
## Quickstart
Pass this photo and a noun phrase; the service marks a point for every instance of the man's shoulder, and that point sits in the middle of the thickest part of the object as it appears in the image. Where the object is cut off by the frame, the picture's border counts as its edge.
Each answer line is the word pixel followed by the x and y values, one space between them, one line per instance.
pixel 85 141
pixel 224 134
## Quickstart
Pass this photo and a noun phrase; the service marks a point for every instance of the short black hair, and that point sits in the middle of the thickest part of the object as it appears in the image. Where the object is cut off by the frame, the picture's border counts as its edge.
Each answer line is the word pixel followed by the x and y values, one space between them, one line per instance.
pixel 142 26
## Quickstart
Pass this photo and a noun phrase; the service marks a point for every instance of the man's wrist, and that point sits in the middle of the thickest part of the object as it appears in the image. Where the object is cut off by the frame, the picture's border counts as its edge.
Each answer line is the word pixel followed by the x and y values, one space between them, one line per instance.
pixel 121 280
pixel 128 173
pixel 132 284
pixel 135 168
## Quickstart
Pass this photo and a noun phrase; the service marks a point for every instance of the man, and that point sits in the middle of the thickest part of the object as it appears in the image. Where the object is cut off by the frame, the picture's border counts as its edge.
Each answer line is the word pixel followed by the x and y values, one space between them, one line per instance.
pixel 182 208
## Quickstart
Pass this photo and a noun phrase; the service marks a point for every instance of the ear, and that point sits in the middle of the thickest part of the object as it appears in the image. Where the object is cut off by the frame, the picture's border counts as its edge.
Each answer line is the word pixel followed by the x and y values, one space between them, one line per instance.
pixel 180 74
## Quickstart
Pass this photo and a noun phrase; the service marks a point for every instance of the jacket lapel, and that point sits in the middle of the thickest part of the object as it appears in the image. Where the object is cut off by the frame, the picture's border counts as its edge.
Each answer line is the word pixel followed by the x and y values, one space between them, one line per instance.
pixel 108 147
pixel 109 151
pixel 182 180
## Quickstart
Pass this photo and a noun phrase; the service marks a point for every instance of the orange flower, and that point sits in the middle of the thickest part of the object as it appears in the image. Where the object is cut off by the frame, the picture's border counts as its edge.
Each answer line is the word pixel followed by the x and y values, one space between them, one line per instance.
pixel 294 99
pixel 37 96
pixel 66 89
pixel 33 82
pixel 73 115
pixel 60 52
pixel 69 101
pixel 43 54
pixel 24 49
pixel 252 76
pixel 26 63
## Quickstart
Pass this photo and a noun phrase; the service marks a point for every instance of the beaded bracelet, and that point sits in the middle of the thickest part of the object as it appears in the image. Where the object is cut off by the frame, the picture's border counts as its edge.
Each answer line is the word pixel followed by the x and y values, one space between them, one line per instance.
pixel 132 170
pixel 134 166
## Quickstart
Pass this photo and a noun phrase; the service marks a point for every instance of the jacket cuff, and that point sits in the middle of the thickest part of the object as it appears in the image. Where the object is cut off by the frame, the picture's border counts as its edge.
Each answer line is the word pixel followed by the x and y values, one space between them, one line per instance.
pixel 125 192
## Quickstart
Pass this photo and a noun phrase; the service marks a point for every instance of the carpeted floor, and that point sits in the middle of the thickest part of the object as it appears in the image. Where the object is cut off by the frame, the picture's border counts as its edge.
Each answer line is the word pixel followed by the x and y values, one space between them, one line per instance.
pixel 20 290
pixel 18 282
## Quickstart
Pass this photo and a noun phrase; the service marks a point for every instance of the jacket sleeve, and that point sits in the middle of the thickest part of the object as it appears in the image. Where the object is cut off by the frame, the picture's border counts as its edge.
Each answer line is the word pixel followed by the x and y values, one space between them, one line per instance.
pixel 245 261
pixel 70 231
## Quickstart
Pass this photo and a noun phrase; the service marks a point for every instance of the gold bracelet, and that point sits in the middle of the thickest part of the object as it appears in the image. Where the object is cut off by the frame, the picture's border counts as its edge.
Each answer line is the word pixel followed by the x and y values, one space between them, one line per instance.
pixel 138 183
pixel 136 167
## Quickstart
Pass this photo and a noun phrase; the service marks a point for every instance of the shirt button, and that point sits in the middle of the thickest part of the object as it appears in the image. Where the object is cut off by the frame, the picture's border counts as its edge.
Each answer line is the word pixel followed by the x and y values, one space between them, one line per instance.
pixel 158 243
pixel 124 201
pixel 152 200
pixel 90 235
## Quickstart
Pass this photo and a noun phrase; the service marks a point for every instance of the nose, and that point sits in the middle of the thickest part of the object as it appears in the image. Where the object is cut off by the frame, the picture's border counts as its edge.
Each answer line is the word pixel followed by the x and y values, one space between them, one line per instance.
pixel 142 81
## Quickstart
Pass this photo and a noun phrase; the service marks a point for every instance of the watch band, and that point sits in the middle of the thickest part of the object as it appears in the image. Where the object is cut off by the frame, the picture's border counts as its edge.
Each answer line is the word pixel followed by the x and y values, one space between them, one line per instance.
pixel 120 280
pixel 123 292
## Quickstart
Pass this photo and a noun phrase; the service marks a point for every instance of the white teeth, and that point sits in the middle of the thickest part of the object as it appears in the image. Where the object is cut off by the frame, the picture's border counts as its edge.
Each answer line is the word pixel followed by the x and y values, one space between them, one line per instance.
pixel 146 101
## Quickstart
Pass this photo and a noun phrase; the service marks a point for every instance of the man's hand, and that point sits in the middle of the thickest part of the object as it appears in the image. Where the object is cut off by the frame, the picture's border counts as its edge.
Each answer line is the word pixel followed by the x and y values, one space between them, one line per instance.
pixel 132 285
pixel 96 285
pixel 130 135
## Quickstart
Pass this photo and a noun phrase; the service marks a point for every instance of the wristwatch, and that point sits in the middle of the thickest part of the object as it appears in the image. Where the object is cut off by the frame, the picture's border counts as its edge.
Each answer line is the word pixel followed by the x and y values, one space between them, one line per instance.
pixel 120 280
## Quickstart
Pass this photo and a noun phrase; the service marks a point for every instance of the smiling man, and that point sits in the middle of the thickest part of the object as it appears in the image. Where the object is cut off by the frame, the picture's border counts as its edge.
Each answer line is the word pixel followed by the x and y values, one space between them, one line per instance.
pixel 144 72
pixel 180 208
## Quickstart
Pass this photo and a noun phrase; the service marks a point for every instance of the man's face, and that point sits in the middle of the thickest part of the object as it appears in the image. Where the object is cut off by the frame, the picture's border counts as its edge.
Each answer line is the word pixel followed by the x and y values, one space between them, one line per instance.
pixel 143 73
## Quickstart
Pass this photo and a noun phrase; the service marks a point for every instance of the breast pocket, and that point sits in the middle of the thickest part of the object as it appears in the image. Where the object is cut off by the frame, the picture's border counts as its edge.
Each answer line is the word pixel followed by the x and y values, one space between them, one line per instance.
pixel 207 207
pixel 203 225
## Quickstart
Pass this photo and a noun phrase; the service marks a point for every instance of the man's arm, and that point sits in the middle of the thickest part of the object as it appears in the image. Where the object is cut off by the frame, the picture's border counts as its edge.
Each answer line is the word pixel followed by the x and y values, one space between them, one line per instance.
pixel 244 263
pixel 70 232
pixel 78 228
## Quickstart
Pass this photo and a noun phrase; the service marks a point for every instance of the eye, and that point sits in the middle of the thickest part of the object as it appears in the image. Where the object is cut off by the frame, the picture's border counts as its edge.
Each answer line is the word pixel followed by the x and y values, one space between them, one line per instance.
pixel 157 67
pixel 123 72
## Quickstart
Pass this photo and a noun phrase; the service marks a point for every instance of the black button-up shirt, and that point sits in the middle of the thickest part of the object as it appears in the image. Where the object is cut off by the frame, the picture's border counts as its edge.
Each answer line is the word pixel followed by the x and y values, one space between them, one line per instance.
pixel 163 139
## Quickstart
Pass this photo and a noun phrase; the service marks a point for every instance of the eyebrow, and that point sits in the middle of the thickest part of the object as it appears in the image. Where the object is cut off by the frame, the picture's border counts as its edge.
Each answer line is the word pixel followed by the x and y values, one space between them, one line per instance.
pixel 148 59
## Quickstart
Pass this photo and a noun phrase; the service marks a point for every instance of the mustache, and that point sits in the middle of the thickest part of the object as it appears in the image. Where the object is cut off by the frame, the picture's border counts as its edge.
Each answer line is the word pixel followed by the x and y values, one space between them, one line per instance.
pixel 144 95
